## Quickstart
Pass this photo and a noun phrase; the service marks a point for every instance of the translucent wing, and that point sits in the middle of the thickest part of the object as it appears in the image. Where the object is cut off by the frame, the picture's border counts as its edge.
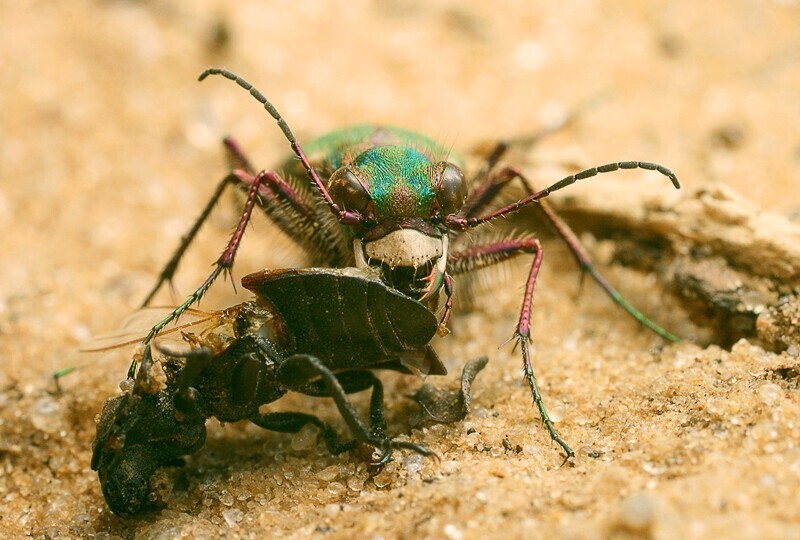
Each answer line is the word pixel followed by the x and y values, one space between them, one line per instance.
pixel 138 324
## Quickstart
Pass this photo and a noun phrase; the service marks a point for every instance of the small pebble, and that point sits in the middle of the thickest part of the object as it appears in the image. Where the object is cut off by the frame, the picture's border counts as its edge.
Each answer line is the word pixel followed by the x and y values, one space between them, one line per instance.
pixel 452 532
pixel 769 393
pixel 232 516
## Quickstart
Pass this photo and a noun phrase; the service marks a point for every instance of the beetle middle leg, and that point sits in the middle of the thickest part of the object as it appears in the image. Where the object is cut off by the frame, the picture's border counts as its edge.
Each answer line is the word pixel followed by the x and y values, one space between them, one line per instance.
pixel 494 184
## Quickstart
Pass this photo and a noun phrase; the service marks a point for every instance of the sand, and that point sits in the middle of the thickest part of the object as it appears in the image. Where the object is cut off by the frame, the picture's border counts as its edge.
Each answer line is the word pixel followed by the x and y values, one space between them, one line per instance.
pixel 109 149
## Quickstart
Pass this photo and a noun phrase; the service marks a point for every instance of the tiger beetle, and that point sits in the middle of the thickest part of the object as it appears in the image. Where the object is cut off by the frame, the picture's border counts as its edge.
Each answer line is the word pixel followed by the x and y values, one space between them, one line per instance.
pixel 389 198
pixel 317 331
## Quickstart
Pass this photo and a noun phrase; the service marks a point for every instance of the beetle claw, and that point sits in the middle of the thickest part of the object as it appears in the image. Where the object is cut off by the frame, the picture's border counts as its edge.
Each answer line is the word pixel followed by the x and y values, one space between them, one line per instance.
pixel 388 447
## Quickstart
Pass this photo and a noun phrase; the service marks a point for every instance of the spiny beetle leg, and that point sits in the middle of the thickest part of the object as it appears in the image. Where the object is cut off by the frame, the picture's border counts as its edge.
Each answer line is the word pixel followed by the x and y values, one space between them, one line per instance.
pixel 278 199
pixel 493 253
pixel 236 160
pixel 293 215
pixel 225 261
pixel 236 156
pixel 524 341
pixel 523 337
pixel 504 176
pixel 168 272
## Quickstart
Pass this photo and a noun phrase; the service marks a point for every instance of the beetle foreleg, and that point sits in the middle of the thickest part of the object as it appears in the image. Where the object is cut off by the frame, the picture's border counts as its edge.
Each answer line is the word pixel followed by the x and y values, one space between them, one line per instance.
pixel 448 305
pixel 168 273
pixel 299 221
pixel 236 160
pixel 224 263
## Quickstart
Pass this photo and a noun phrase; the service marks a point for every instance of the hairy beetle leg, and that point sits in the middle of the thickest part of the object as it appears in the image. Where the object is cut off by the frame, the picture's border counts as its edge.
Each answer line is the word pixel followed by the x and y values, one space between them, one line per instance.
pixel 579 253
pixel 489 254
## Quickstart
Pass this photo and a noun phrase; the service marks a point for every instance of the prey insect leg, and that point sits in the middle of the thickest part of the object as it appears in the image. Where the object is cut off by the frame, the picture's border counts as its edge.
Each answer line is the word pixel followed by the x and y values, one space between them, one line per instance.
pixel 353 382
pixel 297 370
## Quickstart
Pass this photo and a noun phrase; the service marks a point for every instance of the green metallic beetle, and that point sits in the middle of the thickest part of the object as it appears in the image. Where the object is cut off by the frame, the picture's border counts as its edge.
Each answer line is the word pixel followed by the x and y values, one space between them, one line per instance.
pixel 396 200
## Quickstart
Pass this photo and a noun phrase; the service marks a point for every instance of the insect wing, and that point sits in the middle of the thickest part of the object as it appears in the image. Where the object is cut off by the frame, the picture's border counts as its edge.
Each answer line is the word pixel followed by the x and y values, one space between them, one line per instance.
pixel 136 326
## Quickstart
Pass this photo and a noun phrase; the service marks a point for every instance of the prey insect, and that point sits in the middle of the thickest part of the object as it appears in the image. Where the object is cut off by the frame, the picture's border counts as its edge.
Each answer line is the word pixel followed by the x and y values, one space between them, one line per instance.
pixel 316 331
pixel 394 200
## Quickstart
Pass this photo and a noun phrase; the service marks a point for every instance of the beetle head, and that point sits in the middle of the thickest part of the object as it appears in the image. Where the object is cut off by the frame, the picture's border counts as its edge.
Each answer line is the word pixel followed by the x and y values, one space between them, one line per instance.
pixel 402 195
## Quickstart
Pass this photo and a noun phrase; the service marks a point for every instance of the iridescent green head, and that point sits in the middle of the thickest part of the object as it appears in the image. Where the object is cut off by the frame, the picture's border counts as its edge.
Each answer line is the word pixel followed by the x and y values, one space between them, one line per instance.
pixel 402 195
pixel 398 180
pixel 391 182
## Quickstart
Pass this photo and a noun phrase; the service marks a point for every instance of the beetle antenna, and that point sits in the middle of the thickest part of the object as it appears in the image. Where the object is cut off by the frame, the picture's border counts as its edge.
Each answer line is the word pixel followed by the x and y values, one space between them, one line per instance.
pixel 256 94
pixel 341 214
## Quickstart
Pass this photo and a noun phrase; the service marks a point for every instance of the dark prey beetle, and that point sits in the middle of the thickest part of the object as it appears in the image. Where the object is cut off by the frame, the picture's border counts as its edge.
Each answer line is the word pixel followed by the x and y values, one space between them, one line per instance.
pixel 315 331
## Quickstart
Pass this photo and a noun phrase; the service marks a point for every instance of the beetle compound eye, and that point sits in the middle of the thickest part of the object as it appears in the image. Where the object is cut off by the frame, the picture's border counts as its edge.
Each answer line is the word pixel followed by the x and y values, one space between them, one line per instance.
pixel 346 191
pixel 451 188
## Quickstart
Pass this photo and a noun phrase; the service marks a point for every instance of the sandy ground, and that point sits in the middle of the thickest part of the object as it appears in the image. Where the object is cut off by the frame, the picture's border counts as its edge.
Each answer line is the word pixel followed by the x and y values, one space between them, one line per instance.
pixel 109 148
